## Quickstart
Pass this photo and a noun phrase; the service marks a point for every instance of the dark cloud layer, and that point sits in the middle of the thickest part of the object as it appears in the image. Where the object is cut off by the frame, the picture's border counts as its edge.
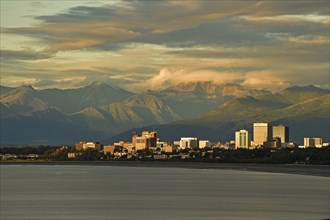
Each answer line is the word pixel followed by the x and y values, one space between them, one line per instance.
pixel 23 55
pixel 151 41
pixel 185 24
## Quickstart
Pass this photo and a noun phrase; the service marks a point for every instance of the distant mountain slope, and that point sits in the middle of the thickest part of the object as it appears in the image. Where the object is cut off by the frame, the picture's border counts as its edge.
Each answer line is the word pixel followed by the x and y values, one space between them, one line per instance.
pixel 47 126
pixel 316 107
pixel 21 100
pixel 209 90
pixel 73 100
pixel 306 118
pixel 25 99
pixel 4 90
pixel 238 110
pixel 207 110
pixel 252 108
pixel 310 118
pixel 196 98
pixel 298 94
pixel 136 111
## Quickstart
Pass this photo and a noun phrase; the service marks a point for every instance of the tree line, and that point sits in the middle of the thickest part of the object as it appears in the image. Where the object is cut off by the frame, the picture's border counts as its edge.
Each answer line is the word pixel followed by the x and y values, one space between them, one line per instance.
pixel 261 155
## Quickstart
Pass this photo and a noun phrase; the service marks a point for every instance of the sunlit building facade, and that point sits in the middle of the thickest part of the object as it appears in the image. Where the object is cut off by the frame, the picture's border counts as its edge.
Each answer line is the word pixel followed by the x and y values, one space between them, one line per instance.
pixel 282 132
pixel 188 142
pixel 313 142
pixel 261 133
pixel 242 139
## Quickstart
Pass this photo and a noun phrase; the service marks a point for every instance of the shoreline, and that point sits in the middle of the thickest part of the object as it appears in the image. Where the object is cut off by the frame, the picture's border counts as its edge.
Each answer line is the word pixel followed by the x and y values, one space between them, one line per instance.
pixel 300 169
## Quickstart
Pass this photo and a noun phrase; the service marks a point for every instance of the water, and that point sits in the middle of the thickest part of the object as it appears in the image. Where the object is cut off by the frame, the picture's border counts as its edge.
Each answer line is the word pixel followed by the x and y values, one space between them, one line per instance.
pixel 104 192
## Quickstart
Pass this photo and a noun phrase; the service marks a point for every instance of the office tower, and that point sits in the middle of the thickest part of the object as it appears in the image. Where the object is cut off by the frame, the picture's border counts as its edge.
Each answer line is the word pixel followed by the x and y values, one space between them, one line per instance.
pixel 242 139
pixel 281 131
pixel 261 133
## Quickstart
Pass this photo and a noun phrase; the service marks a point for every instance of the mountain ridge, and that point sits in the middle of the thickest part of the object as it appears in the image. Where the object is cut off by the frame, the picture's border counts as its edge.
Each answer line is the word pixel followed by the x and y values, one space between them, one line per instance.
pixel 309 117
pixel 91 112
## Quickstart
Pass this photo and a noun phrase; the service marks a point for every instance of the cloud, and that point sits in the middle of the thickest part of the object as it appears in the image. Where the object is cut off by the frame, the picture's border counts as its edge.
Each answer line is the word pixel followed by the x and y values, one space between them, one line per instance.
pixel 166 78
pixel 23 55
pixel 172 23
pixel 37 5
pixel 62 83
pixel 264 79
pixel 153 44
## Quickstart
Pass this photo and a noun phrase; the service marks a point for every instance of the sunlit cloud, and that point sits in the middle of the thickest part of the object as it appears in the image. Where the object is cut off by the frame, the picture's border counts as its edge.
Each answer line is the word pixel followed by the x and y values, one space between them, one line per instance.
pixel 154 44
pixel 323 19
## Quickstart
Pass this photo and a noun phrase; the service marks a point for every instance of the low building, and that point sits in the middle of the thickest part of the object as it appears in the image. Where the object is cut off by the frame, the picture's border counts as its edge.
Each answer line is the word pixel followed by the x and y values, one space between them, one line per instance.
pixel 204 143
pixel 79 145
pixel 160 156
pixel 109 149
pixel 119 144
pixel 148 139
pixel 71 155
pixel 127 145
pixel 273 143
pixel 290 145
pixel 164 147
pixel 82 145
pixel 92 145
pixel 131 149
pixel 188 143
pixel 168 149
pixel 59 150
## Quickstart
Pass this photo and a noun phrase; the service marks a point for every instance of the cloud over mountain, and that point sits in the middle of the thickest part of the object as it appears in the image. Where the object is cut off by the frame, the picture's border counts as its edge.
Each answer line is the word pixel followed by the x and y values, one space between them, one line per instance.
pixel 257 43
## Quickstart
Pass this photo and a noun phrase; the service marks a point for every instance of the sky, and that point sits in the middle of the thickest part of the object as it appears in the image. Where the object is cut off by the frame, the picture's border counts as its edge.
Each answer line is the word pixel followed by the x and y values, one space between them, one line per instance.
pixel 141 45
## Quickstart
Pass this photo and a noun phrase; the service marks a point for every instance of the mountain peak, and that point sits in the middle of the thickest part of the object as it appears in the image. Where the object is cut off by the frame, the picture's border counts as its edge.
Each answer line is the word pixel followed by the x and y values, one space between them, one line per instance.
pixel 26 88
pixel 98 84
pixel 211 89
pixel 308 88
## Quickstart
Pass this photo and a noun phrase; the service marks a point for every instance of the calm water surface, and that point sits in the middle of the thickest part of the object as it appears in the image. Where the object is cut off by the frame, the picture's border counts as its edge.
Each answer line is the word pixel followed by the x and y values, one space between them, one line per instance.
pixel 104 192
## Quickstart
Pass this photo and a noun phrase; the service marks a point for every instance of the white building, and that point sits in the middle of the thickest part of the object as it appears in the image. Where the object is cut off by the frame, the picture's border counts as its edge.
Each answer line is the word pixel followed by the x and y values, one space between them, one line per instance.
pixel 313 142
pixel 242 139
pixel 188 142
pixel 204 143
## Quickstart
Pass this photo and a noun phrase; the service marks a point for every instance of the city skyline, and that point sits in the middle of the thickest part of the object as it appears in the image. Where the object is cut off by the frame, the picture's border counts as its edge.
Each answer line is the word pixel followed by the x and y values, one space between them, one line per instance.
pixel 257 44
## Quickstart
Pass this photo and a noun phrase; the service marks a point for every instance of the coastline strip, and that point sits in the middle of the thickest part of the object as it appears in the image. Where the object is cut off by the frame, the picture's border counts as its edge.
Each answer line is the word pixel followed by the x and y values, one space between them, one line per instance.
pixel 301 169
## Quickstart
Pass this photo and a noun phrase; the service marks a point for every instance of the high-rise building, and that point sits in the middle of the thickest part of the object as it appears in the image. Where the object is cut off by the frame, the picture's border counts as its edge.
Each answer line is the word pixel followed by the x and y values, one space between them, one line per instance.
pixel 261 133
pixel 242 139
pixel 313 142
pixel 281 131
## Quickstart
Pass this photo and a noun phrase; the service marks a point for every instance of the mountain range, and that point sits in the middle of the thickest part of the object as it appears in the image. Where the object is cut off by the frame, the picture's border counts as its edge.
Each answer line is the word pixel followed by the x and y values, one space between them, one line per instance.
pixel 204 109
